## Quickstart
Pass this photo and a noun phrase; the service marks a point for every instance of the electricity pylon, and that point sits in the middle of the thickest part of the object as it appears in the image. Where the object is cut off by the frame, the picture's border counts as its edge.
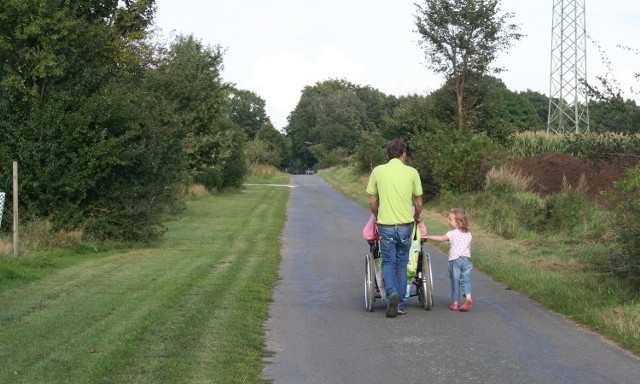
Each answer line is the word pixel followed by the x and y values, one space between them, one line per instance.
pixel 568 99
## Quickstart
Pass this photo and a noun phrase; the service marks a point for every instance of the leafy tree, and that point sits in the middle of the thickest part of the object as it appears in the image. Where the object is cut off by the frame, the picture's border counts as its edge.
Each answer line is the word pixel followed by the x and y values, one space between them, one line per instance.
pixel 454 161
pixel 330 158
pixel 461 38
pixel 340 115
pixel 76 117
pixel 371 151
pixel 234 166
pixel 377 106
pixel 329 113
pixel 540 103
pixel 188 74
pixel 247 110
pixel 258 152
pixel 276 143
pixel 615 114
pixel 608 108
pixel 135 174
pixel 491 108
pixel 499 112
pixel 414 115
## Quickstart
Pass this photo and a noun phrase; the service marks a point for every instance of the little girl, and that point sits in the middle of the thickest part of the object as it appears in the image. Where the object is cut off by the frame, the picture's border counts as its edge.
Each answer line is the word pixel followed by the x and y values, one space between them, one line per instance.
pixel 460 264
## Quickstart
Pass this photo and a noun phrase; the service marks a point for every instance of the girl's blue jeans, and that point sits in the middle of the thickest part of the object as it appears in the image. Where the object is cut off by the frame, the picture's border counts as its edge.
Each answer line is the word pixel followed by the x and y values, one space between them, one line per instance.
pixel 460 274
pixel 394 248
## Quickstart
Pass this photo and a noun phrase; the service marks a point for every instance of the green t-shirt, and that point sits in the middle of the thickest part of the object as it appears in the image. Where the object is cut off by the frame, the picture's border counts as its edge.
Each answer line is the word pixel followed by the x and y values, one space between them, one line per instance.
pixel 395 184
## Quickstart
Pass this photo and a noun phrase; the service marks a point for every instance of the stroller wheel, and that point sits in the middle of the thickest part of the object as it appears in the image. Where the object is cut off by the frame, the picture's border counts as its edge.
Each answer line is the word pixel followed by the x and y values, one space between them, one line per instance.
pixel 426 284
pixel 369 283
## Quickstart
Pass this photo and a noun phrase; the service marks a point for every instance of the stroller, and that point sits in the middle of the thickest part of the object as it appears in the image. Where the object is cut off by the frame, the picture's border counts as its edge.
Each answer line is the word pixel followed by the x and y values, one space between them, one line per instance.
pixel 419 284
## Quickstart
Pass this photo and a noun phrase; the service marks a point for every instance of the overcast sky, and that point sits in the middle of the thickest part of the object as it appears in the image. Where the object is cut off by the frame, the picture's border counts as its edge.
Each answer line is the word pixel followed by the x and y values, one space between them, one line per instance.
pixel 277 47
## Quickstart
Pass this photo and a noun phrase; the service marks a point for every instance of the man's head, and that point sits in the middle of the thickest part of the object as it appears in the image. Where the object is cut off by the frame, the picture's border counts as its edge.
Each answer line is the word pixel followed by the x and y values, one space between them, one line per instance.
pixel 396 149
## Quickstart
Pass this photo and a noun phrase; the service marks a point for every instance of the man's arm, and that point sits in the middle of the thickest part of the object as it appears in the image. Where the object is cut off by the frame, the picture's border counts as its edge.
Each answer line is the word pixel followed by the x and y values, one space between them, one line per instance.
pixel 373 204
pixel 418 208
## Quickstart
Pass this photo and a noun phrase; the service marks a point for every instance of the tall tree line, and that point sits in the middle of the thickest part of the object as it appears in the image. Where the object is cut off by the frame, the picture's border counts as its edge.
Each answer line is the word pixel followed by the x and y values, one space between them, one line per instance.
pixel 472 116
pixel 107 127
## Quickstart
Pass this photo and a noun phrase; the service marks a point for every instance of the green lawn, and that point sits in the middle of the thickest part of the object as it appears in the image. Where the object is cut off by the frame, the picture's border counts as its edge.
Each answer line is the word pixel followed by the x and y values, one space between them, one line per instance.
pixel 189 309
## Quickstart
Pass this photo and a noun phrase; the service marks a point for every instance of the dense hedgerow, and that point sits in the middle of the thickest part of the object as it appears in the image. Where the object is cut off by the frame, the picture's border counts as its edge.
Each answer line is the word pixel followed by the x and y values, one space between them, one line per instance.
pixel 627 261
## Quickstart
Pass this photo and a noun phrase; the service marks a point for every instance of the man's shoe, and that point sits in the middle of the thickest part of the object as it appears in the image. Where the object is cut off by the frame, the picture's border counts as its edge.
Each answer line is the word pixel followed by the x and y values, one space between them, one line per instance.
pixel 401 312
pixel 392 307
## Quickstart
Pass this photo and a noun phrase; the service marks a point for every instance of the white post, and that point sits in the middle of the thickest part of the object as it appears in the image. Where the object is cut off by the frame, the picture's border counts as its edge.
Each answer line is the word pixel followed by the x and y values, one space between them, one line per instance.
pixel 15 208
pixel 2 194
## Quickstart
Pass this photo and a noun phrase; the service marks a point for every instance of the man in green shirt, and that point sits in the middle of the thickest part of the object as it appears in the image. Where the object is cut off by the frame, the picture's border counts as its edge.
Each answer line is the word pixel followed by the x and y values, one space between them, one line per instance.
pixel 394 191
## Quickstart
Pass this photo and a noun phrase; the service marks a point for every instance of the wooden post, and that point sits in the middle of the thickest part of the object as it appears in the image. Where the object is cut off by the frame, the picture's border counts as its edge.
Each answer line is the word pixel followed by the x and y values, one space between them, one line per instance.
pixel 15 208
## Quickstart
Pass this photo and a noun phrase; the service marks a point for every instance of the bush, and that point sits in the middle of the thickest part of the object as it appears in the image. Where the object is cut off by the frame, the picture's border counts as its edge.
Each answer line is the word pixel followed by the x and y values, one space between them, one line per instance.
pixel 627 262
pixel 211 179
pixel 509 215
pixel 334 157
pixel 234 170
pixel 262 171
pixel 573 213
pixel 501 219
pixel 505 179
pixel 602 146
pixel 454 161
pixel 371 152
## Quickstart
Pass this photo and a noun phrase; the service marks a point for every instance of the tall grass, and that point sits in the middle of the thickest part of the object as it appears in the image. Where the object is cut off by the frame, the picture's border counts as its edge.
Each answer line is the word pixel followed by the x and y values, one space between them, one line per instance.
pixel 39 234
pixel 506 179
pixel 533 143
pixel 596 146
pixel 263 174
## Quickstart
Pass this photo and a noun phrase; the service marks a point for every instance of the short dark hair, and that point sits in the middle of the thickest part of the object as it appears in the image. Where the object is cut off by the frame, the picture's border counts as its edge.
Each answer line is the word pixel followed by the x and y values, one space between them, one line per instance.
pixel 396 148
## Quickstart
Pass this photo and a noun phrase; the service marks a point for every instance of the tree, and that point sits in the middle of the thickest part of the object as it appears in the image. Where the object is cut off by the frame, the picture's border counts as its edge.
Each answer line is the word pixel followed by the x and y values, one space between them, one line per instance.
pixel 498 112
pixel 97 150
pixel 370 152
pixel 276 143
pixel 609 110
pixel 188 74
pixel 540 103
pixel 378 106
pixel 615 114
pixel 247 109
pixel 329 113
pixel 415 114
pixel 461 38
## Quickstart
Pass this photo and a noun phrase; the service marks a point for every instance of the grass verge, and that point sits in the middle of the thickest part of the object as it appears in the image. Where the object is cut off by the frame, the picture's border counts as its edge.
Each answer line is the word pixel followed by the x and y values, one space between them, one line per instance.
pixel 550 271
pixel 188 309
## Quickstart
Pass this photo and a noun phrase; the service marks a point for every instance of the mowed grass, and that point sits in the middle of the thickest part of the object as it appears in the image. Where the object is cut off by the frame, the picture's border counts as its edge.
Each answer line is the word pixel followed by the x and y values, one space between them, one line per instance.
pixel 551 271
pixel 189 309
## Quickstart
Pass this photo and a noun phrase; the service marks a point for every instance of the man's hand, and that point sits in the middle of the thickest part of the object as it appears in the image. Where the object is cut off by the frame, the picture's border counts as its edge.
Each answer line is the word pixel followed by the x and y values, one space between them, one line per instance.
pixel 373 204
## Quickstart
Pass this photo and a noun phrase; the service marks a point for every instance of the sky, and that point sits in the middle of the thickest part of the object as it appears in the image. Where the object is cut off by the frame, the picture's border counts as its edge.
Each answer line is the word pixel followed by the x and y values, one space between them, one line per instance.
pixel 275 48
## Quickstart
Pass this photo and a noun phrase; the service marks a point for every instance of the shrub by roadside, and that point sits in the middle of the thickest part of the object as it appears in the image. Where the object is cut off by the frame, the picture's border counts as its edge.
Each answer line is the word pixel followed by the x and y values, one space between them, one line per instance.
pixel 627 228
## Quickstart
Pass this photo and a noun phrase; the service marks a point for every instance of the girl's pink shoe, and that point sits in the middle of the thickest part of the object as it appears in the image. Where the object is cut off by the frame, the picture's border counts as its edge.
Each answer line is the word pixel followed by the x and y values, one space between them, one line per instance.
pixel 466 307
pixel 453 307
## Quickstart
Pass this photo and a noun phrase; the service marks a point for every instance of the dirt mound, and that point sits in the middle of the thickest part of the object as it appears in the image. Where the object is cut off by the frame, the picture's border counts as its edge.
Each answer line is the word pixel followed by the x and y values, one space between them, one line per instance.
pixel 548 170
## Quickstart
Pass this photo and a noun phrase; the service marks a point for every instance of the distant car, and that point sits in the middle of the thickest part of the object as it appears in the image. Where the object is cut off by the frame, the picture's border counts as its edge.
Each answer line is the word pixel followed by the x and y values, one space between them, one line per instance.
pixel 309 171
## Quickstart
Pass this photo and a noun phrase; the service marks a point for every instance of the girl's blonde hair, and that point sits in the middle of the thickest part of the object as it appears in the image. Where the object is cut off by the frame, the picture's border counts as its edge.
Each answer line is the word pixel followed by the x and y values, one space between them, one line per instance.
pixel 460 217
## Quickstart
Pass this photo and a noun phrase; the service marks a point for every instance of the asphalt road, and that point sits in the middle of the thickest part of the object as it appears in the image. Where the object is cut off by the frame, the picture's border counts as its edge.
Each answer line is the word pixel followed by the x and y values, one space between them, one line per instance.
pixel 319 331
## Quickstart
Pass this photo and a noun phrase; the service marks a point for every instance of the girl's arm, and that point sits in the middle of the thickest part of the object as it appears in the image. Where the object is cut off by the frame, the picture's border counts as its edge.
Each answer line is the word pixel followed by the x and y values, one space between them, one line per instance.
pixel 438 238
